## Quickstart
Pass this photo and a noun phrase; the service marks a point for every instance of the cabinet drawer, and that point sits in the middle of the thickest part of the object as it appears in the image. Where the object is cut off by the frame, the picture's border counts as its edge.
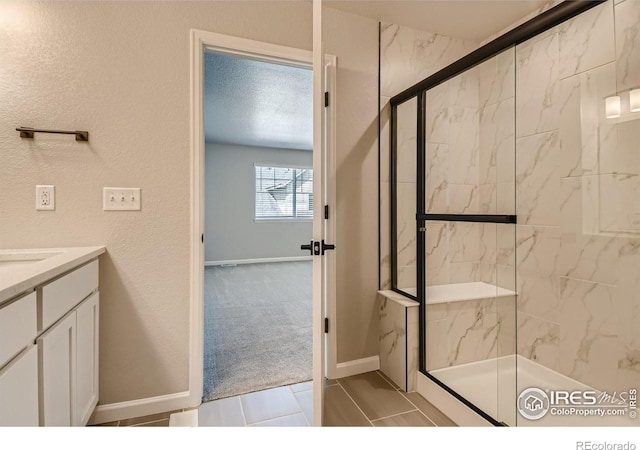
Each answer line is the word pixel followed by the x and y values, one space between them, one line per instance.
pixel 60 296
pixel 17 326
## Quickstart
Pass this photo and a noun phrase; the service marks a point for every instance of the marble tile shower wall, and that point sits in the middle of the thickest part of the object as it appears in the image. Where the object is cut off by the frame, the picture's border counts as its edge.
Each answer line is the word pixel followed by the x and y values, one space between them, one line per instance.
pixel 470 158
pixel 406 57
pixel 462 332
pixel 577 184
pixel 406 193
pixel 470 147
pixel 577 181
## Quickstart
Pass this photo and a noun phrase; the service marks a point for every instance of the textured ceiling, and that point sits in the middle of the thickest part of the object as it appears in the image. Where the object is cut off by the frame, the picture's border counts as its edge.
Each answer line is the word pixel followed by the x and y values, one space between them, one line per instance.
pixel 474 20
pixel 257 103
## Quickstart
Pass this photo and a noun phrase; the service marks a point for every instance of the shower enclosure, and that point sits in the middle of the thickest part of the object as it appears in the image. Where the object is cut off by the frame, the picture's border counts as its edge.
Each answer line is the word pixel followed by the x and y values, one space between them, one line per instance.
pixel 514 178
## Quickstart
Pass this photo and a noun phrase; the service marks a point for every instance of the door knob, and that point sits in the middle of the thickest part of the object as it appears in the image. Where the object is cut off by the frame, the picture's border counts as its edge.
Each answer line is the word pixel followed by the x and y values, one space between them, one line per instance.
pixel 327 247
pixel 315 248
pixel 308 247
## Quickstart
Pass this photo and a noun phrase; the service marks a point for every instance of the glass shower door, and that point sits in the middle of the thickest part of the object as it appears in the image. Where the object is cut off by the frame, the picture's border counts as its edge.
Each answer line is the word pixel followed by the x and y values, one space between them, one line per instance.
pixel 468 221
pixel 404 172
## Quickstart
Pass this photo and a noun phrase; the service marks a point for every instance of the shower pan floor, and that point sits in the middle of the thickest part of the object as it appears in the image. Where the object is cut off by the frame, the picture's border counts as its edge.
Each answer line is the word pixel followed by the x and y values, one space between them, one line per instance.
pixel 491 385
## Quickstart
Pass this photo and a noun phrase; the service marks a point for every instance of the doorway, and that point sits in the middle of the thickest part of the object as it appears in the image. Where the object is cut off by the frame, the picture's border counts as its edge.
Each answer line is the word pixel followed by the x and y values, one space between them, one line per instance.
pixel 323 288
pixel 259 200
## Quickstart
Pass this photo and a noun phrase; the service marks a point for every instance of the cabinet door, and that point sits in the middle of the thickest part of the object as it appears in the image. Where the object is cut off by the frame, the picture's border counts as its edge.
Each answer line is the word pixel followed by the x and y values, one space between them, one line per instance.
pixel 19 390
pixel 17 326
pixel 56 355
pixel 87 318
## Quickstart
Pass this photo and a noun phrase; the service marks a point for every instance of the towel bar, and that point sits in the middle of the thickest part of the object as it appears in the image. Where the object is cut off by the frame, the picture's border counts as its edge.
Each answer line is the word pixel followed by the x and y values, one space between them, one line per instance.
pixel 26 132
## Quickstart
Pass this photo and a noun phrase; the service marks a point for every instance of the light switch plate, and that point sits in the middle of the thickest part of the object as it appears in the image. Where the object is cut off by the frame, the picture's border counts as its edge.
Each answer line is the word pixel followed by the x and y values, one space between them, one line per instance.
pixel 121 199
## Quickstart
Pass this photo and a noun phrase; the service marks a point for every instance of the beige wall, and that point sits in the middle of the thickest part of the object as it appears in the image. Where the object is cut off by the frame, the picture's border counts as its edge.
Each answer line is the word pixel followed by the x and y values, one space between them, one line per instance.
pixel 121 71
pixel 354 40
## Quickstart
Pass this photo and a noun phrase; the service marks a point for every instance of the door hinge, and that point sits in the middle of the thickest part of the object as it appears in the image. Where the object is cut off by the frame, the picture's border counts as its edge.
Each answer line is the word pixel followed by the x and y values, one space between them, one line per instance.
pixel 326 99
pixel 326 211
pixel 202 238
pixel 326 324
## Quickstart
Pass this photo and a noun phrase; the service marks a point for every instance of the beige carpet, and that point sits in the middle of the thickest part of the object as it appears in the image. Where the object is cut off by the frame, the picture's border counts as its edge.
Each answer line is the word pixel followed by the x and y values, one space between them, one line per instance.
pixel 257 329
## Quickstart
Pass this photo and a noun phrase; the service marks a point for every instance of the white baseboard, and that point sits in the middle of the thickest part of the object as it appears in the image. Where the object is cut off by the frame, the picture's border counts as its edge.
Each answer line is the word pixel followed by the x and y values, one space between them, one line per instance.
pixel 356 367
pixel 184 419
pixel 140 408
pixel 154 405
pixel 257 260
pixel 457 411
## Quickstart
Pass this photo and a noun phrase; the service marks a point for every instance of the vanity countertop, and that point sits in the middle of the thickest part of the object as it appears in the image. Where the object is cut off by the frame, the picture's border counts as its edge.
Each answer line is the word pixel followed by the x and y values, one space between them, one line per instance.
pixel 24 269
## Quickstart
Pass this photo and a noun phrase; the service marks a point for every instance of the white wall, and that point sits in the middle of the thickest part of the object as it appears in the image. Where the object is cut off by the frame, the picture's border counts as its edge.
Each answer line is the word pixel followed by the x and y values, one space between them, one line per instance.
pixel 231 232
pixel 121 71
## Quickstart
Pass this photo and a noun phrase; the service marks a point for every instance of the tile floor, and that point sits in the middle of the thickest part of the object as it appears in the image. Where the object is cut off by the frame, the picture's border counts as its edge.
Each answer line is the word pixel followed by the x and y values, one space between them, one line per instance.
pixel 371 399
pixel 286 406
pixel 364 400
pixel 154 420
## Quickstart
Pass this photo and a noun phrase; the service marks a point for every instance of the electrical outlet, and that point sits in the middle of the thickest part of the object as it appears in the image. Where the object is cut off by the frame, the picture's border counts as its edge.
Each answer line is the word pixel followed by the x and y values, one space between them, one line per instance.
pixel 45 198
pixel 121 199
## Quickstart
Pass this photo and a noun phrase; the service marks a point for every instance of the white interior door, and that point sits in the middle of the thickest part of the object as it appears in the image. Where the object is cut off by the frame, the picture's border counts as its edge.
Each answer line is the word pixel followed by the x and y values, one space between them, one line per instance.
pixel 324 238
pixel 329 176
pixel 324 80
pixel 319 361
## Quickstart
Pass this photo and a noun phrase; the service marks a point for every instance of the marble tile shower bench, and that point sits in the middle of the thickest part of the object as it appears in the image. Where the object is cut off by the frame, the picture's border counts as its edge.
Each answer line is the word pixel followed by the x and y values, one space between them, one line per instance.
pixel 460 292
pixel 398 345
pixel 399 325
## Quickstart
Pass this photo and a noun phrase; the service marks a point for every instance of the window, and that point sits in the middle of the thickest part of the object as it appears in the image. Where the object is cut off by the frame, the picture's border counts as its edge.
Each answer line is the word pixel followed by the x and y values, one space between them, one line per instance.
pixel 284 193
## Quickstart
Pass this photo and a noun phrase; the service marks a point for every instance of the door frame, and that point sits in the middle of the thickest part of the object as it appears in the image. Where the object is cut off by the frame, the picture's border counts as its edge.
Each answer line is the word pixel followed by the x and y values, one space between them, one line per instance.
pixel 201 41
pixel 330 167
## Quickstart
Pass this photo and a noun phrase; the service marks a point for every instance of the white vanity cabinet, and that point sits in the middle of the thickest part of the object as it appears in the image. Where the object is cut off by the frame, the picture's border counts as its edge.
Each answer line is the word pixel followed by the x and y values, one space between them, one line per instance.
pixel 18 362
pixel 68 349
pixel 57 360
pixel 86 396
pixel 49 351
pixel 19 390
pixel 68 355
